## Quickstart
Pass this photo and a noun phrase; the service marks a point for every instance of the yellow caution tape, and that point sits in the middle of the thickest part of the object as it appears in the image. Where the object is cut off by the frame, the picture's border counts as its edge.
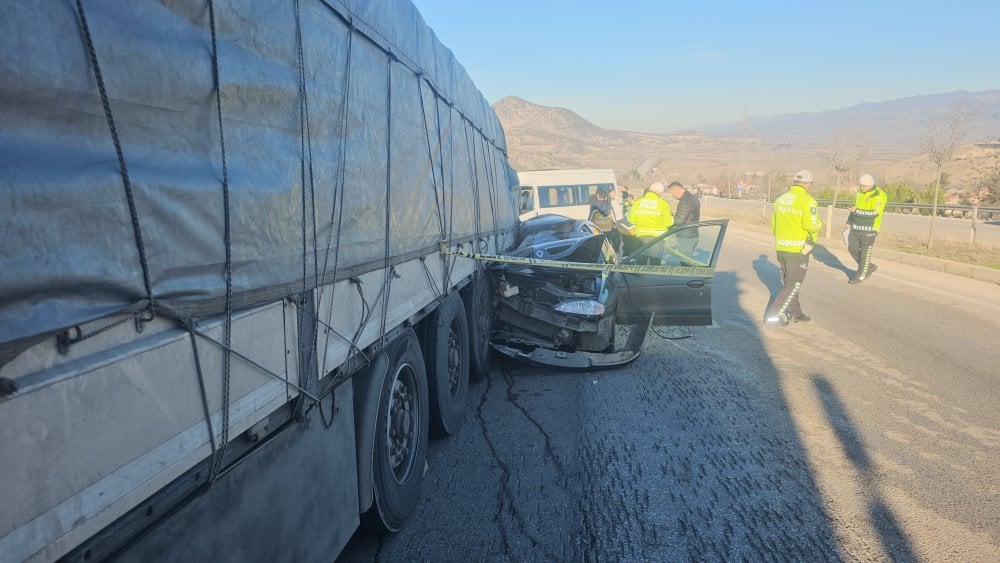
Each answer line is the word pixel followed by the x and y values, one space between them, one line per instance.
pixel 686 257
pixel 685 271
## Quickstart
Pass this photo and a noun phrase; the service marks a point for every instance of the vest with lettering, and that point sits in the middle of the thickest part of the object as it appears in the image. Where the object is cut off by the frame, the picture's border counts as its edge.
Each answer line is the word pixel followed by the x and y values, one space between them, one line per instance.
pixel 794 219
pixel 868 208
pixel 651 215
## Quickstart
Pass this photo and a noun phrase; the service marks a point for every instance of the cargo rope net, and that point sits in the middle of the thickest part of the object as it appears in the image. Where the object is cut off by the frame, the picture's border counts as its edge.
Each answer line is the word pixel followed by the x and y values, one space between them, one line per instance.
pixel 483 159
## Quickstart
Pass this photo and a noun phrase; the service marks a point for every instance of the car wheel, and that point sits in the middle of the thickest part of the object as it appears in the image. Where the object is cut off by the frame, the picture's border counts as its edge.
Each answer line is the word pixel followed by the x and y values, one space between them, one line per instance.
pixel 479 312
pixel 447 354
pixel 400 449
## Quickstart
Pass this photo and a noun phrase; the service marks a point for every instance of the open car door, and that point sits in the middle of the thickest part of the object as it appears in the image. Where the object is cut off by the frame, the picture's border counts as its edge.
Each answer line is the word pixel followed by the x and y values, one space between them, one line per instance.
pixel 685 296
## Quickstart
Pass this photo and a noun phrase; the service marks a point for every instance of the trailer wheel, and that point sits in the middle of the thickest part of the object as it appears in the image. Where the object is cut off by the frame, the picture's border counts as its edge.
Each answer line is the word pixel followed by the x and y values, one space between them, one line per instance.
pixel 479 310
pixel 401 428
pixel 447 353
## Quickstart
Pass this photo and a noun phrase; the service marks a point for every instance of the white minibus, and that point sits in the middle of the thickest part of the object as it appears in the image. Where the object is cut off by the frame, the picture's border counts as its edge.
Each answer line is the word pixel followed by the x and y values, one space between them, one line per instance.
pixel 564 192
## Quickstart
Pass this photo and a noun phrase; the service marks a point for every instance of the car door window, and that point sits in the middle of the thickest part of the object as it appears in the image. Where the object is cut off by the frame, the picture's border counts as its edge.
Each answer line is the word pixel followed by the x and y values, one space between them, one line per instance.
pixel 687 245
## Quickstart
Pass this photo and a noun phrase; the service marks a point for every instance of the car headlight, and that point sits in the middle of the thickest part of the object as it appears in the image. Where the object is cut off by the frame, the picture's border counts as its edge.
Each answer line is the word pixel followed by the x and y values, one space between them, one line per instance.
pixel 586 307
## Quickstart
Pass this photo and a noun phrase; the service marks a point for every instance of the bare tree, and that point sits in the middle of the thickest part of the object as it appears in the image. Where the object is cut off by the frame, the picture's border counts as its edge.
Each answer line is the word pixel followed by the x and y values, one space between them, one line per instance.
pixel 943 136
pixel 989 190
pixel 770 167
pixel 843 151
pixel 744 131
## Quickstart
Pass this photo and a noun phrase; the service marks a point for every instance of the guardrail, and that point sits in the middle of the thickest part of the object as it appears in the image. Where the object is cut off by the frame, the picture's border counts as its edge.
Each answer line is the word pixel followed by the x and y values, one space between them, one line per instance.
pixel 944 210
pixel 981 213
pixel 974 225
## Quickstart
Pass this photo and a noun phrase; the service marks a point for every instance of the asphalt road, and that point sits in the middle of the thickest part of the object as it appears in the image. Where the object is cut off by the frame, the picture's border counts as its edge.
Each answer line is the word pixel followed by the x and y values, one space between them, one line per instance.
pixel 870 433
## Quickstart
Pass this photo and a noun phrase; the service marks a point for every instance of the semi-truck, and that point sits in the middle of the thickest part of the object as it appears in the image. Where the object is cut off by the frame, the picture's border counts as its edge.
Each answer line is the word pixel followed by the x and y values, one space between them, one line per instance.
pixel 234 301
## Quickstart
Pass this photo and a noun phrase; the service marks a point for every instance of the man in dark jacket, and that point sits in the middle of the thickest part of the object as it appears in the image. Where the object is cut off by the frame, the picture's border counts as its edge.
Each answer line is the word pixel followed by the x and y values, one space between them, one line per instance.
pixel 688 212
pixel 688 206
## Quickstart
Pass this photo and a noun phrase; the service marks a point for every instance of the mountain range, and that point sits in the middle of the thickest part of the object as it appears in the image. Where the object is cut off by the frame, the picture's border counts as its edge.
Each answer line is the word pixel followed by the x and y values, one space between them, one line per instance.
pixel 899 122
pixel 542 137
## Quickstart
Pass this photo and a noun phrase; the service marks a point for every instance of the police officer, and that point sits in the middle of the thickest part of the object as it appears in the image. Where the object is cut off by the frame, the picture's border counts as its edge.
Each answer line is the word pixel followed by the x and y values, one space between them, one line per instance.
pixel 650 217
pixel 865 221
pixel 795 223
pixel 651 213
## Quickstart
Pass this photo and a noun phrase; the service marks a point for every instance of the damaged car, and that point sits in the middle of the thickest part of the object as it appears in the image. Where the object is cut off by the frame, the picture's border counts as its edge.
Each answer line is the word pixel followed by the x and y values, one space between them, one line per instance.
pixel 570 296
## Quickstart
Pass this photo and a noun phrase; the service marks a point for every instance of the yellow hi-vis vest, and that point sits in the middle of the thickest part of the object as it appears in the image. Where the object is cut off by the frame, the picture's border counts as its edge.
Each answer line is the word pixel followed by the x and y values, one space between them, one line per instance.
pixel 651 215
pixel 868 208
pixel 794 219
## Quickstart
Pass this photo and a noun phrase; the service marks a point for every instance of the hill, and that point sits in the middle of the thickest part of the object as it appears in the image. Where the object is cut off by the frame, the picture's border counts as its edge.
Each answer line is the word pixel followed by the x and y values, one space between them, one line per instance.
pixel 540 137
pixel 896 123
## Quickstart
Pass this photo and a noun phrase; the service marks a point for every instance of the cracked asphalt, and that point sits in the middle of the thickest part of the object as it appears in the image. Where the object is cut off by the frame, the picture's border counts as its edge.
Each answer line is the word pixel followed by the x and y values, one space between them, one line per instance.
pixel 671 459
pixel 737 443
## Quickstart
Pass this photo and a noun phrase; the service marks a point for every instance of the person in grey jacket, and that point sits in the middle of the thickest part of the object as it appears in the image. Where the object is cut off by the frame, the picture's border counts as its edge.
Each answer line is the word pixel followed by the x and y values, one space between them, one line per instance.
pixel 688 212
pixel 688 206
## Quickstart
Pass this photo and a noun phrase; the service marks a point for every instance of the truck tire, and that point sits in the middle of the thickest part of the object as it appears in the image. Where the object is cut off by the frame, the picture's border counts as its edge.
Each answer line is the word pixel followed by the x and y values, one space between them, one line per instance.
pixel 401 428
pixel 479 311
pixel 446 349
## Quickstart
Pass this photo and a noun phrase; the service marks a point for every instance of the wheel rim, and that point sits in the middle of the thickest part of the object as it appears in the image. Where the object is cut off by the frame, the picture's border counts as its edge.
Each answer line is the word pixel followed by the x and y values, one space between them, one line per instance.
pixel 455 341
pixel 401 424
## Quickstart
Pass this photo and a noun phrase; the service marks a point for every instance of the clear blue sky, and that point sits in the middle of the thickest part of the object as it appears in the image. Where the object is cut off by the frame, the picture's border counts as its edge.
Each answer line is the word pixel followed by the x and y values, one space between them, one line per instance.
pixel 662 65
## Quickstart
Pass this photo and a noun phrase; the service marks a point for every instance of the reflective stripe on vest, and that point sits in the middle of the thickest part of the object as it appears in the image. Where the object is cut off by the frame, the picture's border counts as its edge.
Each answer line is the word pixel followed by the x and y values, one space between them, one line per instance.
pixel 868 207
pixel 650 215
pixel 794 219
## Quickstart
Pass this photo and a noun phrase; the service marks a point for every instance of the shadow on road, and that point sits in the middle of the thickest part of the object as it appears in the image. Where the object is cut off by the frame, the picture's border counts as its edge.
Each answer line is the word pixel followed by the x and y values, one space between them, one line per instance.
pixel 690 453
pixel 823 255
pixel 769 275
pixel 883 521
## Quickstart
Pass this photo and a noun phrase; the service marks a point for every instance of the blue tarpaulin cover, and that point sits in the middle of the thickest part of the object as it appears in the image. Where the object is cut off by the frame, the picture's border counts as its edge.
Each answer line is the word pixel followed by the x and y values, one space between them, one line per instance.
pixel 338 120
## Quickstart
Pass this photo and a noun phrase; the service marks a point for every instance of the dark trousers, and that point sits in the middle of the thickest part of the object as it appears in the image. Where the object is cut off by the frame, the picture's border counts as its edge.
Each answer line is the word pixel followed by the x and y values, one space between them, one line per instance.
pixel 794 266
pixel 859 244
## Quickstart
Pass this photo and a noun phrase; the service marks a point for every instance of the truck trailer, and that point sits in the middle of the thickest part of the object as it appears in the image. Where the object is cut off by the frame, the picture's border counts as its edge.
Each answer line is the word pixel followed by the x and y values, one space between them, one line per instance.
pixel 233 301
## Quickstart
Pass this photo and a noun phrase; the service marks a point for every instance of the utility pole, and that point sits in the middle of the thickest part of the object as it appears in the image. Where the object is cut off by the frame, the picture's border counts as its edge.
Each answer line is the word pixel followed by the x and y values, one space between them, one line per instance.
pixel 744 131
